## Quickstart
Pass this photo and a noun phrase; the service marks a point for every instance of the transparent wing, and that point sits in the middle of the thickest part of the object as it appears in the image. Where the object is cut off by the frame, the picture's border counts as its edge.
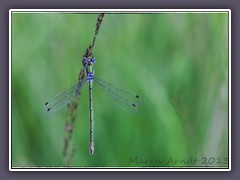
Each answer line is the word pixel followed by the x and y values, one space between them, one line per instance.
pixel 125 100
pixel 62 99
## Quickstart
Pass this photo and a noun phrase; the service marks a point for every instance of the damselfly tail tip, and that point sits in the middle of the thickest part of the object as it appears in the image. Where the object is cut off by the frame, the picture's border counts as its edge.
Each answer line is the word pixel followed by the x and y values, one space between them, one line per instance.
pixel 91 149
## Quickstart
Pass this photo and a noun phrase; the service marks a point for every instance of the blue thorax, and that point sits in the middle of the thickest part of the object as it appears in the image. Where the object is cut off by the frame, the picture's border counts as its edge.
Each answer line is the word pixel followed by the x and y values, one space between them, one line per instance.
pixel 88 64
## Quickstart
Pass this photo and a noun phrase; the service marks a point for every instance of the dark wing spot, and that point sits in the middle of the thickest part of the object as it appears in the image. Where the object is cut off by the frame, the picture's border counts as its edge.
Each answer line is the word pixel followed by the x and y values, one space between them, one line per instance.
pixel 46 103
pixel 137 96
pixel 134 105
pixel 48 109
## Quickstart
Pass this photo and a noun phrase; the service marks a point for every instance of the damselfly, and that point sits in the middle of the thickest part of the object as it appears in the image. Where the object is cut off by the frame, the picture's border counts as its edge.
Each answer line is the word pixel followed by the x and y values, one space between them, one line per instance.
pixel 124 99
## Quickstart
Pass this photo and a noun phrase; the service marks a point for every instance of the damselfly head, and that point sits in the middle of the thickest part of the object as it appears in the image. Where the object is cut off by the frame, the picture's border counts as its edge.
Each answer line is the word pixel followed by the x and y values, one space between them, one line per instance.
pixel 88 61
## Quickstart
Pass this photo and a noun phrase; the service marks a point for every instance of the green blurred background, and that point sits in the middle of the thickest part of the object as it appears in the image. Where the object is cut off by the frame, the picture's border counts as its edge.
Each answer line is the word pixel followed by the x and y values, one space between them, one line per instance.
pixel 176 62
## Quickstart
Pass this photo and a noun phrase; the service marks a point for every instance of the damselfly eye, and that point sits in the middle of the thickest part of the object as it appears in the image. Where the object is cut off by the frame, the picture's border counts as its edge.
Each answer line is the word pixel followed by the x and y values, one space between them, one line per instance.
pixel 84 60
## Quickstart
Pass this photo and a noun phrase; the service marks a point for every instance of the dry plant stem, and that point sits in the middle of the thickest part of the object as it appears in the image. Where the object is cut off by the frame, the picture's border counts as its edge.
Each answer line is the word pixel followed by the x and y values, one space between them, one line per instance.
pixel 90 47
pixel 69 160
pixel 70 121
pixel 72 108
